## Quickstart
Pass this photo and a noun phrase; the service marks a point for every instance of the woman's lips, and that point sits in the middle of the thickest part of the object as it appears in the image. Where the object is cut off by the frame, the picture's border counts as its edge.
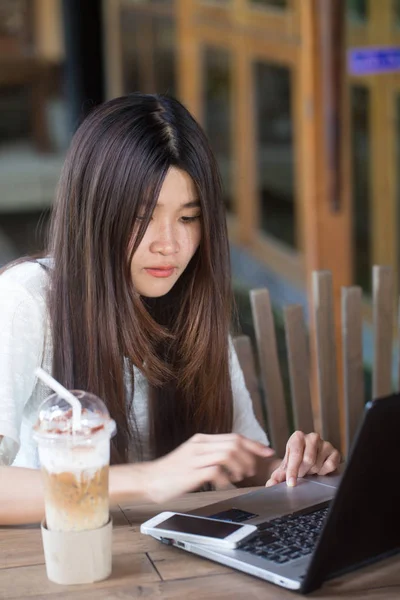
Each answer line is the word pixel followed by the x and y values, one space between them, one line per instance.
pixel 160 271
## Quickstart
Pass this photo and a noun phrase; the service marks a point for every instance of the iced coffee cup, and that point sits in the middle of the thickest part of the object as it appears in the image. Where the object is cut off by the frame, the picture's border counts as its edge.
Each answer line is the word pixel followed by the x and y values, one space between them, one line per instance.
pixel 75 464
pixel 74 452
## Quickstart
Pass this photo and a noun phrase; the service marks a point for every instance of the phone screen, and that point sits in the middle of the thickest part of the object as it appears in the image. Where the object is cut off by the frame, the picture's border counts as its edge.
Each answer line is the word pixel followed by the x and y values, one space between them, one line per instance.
pixel 196 526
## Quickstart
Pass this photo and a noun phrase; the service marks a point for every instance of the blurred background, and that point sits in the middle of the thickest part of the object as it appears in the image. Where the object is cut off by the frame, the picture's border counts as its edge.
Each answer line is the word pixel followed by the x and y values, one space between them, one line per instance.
pixel 308 147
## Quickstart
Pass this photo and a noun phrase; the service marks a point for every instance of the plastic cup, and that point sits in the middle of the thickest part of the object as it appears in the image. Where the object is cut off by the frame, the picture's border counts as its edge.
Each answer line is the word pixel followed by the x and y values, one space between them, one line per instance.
pixel 75 464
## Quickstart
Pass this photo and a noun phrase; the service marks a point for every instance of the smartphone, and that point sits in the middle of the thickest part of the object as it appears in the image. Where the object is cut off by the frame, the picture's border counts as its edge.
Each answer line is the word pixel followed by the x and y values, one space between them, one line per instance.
pixel 200 530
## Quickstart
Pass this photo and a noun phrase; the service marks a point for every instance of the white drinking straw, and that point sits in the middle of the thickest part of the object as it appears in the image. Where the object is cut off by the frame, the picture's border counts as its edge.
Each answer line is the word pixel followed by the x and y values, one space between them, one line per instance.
pixel 65 394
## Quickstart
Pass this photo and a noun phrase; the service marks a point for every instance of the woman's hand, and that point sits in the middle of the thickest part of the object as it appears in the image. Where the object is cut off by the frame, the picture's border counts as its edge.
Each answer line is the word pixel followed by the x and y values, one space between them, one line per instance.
pixel 306 454
pixel 217 459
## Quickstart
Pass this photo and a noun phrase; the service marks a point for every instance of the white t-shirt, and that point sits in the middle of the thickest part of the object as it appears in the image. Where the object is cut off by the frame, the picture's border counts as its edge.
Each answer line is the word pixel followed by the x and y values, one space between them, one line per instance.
pixel 25 343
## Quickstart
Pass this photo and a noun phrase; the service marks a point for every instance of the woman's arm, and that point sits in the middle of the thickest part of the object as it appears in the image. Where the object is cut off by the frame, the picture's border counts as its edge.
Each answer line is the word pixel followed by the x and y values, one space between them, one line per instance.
pixel 218 459
pixel 22 495
pixel 21 499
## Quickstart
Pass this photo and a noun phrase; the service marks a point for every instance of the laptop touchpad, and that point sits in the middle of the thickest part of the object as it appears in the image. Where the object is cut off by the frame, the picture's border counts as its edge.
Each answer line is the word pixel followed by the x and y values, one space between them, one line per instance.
pixel 234 514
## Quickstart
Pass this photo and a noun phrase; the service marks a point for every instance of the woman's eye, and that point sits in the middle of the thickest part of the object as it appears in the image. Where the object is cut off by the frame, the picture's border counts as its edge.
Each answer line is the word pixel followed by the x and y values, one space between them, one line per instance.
pixel 190 219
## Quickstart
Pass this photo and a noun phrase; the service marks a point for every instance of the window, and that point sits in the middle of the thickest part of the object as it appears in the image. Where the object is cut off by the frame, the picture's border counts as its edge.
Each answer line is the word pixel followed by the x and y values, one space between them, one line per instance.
pixel 360 109
pixel 280 4
pixel 357 10
pixel 148 52
pixel 217 111
pixel 275 151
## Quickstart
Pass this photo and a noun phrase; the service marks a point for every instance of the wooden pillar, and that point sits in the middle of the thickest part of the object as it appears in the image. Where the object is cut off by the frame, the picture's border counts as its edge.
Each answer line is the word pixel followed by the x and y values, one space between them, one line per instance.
pixel 189 63
pixel 245 138
pixel 325 174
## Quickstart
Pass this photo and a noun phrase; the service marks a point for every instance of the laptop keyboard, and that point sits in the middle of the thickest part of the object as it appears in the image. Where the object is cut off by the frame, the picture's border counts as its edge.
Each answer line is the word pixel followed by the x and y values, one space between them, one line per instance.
pixel 287 538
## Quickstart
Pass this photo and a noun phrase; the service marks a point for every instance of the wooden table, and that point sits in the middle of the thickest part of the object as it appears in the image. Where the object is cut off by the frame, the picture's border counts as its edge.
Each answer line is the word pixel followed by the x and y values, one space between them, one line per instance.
pixel 145 568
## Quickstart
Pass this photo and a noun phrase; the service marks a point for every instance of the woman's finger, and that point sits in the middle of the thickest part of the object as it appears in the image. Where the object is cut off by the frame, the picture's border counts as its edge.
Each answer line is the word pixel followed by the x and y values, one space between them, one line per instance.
pixel 296 446
pixel 277 476
pixel 257 448
pixel 252 446
pixel 331 463
pixel 324 452
pixel 229 451
pixel 234 464
pixel 312 449
pixel 215 475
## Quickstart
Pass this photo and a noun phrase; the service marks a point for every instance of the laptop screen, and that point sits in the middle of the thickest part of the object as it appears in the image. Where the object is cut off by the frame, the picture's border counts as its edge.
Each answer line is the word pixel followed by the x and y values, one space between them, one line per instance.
pixel 363 523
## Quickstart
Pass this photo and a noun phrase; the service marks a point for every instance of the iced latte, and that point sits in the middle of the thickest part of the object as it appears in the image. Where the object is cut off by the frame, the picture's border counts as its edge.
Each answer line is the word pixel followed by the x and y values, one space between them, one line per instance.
pixel 75 463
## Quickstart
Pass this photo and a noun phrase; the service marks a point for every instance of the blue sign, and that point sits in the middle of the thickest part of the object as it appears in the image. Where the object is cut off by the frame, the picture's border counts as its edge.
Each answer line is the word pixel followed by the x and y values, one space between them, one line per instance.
pixel 370 61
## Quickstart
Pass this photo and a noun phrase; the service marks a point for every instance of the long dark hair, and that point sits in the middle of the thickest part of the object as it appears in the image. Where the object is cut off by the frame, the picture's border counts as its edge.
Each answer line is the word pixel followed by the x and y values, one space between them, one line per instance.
pixel 101 326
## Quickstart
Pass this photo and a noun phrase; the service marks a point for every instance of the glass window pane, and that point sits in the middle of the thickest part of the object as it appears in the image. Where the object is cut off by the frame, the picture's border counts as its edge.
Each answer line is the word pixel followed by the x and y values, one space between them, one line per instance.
pixel 148 52
pixel 396 10
pixel 275 151
pixel 164 55
pixel 360 110
pixel 357 10
pixel 280 4
pixel 217 111
pixel 16 27
pixel 34 131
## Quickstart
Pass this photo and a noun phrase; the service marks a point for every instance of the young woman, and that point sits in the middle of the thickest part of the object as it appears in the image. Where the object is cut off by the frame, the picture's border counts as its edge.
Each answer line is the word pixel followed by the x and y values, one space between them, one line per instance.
pixel 133 303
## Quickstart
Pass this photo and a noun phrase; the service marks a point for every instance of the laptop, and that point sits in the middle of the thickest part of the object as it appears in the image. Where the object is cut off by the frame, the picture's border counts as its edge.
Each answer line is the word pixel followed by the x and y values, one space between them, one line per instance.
pixel 325 526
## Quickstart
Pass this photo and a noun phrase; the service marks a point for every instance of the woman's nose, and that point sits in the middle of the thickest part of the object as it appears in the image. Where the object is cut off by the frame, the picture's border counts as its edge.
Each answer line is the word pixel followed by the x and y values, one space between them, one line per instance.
pixel 165 242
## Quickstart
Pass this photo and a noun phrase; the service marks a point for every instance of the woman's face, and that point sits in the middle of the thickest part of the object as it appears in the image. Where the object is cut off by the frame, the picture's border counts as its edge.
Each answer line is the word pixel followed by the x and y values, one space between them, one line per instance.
pixel 171 239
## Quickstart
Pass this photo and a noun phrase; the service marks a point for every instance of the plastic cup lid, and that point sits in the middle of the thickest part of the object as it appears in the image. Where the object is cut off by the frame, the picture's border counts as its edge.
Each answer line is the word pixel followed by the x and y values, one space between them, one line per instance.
pixel 55 419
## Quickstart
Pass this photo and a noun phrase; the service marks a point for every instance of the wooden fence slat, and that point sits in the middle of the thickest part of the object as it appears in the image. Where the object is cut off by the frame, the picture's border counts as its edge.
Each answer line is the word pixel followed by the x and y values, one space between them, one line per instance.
pixel 245 355
pixel 299 367
pixel 353 374
pixel 382 282
pixel 278 429
pixel 327 375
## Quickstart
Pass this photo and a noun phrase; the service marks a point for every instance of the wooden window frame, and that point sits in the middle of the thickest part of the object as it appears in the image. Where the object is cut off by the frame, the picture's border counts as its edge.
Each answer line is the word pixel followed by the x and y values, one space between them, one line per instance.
pixel 246 33
pixel 378 30
pixel 112 38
